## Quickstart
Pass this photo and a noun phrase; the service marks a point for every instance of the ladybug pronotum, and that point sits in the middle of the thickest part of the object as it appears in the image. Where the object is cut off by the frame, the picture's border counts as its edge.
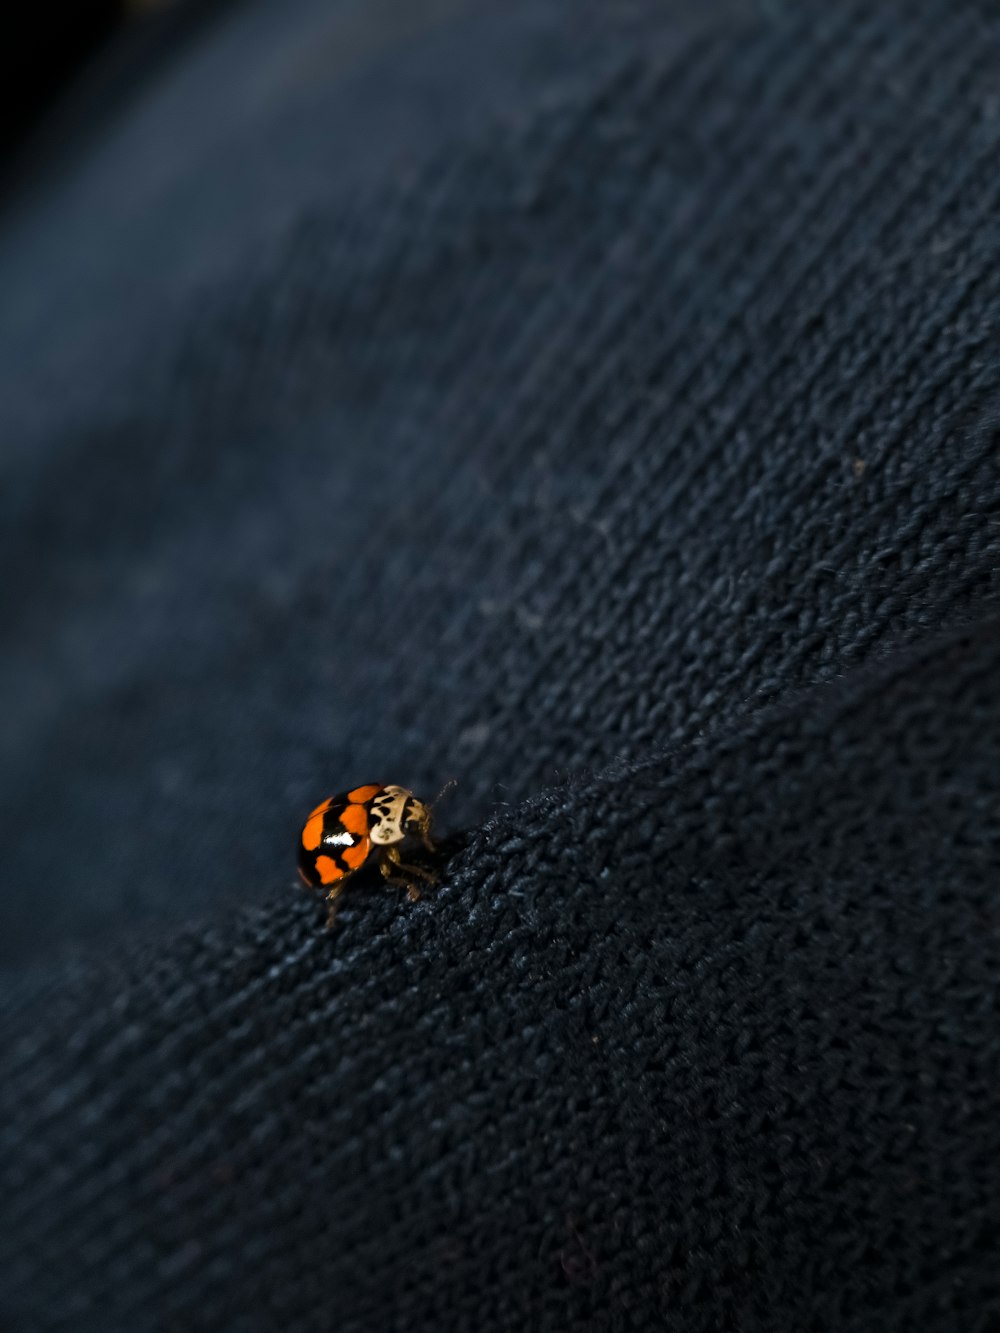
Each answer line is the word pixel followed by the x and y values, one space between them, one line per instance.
pixel 342 833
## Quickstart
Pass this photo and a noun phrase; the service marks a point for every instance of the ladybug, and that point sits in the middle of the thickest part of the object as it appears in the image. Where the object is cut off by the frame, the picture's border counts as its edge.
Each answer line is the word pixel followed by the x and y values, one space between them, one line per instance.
pixel 341 834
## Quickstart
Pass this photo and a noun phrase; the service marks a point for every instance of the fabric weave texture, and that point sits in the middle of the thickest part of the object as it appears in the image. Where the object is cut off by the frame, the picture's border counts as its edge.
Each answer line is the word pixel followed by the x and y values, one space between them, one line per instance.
pixel 597 405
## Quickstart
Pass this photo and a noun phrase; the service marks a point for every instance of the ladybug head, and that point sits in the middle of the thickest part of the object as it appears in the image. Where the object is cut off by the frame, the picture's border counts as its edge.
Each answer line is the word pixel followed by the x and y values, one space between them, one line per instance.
pixel 417 819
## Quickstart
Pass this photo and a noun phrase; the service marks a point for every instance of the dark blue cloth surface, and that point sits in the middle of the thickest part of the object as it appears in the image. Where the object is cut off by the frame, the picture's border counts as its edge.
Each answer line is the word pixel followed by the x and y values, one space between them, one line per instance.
pixel 596 405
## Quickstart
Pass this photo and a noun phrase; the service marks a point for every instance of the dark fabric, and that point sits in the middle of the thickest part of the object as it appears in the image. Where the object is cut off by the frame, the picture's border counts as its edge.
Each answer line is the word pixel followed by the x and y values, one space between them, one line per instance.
pixel 597 405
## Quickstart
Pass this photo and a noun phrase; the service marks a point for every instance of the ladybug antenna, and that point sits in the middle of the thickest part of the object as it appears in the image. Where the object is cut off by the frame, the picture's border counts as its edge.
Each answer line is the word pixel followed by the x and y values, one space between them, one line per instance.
pixel 450 785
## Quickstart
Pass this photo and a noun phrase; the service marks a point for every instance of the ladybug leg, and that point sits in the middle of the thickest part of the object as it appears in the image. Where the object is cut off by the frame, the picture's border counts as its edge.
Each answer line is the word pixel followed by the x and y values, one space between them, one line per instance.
pixel 388 874
pixel 391 854
pixel 394 871
pixel 331 898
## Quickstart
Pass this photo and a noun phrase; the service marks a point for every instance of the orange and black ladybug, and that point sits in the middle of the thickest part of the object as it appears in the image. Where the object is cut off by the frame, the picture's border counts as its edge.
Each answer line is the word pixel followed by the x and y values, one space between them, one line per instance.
pixel 341 834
